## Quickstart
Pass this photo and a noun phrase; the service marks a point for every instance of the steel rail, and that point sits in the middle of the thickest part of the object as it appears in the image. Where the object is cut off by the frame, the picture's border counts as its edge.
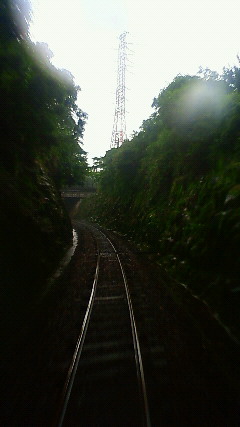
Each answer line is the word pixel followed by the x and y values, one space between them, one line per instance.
pixel 79 346
pixel 77 352
pixel 137 350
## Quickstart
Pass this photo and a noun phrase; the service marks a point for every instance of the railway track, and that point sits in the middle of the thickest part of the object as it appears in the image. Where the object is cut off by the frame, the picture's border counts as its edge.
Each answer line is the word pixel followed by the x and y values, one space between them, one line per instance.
pixel 105 385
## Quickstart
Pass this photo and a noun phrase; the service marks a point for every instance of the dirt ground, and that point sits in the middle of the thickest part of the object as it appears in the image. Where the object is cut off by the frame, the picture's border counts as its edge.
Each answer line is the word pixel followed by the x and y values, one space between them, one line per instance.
pixel 187 384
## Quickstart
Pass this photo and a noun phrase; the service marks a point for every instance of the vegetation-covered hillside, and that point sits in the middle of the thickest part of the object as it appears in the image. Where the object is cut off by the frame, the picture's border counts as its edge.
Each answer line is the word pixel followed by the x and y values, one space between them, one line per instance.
pixel 175 187
pixel 40 131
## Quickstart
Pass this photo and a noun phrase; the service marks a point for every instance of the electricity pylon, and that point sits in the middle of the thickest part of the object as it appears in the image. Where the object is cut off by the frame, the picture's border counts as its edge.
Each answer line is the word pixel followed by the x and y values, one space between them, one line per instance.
pixel 119 124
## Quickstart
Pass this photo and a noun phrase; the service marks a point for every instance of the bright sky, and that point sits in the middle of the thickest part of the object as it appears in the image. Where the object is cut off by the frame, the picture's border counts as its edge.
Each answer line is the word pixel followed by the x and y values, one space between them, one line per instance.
pixel 167 37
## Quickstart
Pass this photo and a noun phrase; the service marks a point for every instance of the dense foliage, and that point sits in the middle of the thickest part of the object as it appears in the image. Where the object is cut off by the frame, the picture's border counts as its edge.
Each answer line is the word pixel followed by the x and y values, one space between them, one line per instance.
pixel 176 186
pixel 40 131
pixel 39 117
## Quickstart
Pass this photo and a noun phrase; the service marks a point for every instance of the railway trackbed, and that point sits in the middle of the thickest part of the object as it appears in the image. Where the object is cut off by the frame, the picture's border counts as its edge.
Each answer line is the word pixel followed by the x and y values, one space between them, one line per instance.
pixel 89 344
pixel 105 384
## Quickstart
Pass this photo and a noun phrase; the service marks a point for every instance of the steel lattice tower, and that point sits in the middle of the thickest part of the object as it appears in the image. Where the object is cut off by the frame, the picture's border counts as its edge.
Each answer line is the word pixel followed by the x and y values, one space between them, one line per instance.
pixel 119 124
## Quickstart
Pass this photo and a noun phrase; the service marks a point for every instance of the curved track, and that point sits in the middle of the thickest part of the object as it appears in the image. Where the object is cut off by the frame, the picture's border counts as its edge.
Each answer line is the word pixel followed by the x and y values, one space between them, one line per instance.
pixel 105 384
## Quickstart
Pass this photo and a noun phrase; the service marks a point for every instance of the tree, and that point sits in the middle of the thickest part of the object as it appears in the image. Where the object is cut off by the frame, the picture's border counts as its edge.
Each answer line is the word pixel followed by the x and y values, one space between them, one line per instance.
pixel 15 16
pixel 39 117
pixel 175 186
pixel 232 76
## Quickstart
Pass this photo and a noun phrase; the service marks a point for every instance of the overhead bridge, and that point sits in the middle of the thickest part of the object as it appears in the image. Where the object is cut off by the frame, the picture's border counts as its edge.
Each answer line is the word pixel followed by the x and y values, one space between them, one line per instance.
pixel 76 194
